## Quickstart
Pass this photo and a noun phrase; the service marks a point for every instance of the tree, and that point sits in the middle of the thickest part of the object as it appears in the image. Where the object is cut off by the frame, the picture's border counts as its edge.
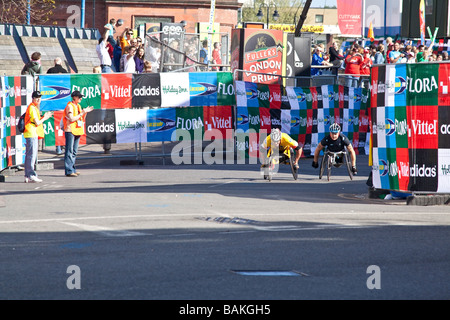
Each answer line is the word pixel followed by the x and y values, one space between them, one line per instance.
pixel 15 11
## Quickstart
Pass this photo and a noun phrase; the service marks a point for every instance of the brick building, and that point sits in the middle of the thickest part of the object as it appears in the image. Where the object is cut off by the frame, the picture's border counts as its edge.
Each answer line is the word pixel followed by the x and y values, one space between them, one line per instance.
pixel 134 12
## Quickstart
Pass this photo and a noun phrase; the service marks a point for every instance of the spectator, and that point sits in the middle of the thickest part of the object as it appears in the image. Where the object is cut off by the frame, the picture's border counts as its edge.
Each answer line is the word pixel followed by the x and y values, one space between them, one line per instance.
pixel 204 52
pixel 217 56
pixel 129 64
pixel 445 55
pixel 58 68
pixel 432 57
pixel 154 53
pixel 422 54
pixel 33 131
pixel 407 54
pixel 373 51
pixel 139 42
pixel 34 66
pixel 147 67
pixel 318 60
pixel 389 47
pixel 111 27
pixel 410 57
pixel 139 59
pixel 103 53
pixel 366 63
pixel 353 63
pixel 134 43
pixel 395 56
pixel 125 39
pixel 126 50
pixel 97 69
pixel 336 59
pixel 117 55
pixel 190 56
pixel 379 55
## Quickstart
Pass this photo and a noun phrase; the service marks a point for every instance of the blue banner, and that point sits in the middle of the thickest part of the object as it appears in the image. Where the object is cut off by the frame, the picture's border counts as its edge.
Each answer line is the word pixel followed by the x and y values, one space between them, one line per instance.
pixel 56 91
pixel 203 89
pixel 161 123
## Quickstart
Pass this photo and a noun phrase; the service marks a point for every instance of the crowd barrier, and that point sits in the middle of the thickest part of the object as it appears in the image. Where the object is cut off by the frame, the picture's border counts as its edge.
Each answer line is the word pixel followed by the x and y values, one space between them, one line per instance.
pixel 410 117
pixel 207 106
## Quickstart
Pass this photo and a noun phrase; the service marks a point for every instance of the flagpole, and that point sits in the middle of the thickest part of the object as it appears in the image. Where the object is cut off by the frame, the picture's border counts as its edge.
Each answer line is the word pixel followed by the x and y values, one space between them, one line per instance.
pixel 363 20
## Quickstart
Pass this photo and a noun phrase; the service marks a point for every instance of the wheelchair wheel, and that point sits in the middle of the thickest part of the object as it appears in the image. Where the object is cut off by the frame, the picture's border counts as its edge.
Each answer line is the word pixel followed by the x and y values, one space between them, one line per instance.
pixel 291 162
pixel 322 165
pixel 329 165
pixel 268 171
pixel 349 166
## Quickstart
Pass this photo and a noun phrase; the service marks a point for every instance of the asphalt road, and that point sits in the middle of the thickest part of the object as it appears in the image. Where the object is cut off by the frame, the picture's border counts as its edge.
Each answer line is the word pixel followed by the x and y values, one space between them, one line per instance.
pixel 215 232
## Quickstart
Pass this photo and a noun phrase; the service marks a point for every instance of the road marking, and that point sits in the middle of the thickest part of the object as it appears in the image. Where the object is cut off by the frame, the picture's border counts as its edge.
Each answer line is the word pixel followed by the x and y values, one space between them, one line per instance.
pixel 105 231
pixel 221 184
pixel 269 273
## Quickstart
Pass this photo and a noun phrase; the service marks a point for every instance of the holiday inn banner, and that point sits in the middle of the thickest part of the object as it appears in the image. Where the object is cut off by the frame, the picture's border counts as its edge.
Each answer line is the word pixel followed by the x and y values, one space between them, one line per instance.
pixel 410 118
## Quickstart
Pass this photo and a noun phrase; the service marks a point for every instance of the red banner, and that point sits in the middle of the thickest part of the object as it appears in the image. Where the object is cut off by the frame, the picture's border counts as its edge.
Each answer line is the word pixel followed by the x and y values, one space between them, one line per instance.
pixel 349 17
pixel 116 90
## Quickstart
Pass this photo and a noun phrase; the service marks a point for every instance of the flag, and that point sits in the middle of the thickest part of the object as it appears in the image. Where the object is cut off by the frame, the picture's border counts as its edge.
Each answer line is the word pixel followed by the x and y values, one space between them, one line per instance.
pixel 370 34
pixel 422 21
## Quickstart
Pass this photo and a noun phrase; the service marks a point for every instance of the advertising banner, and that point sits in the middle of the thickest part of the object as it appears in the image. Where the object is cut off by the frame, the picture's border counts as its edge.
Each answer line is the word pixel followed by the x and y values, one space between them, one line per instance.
pixel 55 90
pixel 15 95
pixel 131 126
pixel 90 86
pixel 349 17
pixel 117 91
pixel 161 123
pixel 225 89
pixel 410 127
pixel 175 89
pixel 146 90
pixel 101 127
pixel 203 89
pixel 263 53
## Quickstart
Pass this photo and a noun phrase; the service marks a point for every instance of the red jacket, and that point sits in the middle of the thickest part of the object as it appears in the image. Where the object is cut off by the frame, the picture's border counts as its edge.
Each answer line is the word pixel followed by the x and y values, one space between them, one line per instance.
pixel 365 66
pixel 353 64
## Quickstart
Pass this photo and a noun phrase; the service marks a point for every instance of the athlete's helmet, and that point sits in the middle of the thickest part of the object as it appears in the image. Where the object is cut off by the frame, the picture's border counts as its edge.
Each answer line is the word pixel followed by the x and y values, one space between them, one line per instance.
pixel 335 128
pixel 275 135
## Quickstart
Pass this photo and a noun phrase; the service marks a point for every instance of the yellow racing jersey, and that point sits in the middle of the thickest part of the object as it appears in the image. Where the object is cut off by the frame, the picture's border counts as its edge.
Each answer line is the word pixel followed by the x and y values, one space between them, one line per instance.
pixel 286 142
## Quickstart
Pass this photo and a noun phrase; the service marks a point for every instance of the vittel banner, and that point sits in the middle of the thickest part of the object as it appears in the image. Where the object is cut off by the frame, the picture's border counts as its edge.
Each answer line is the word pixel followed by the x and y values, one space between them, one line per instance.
pixel 411 144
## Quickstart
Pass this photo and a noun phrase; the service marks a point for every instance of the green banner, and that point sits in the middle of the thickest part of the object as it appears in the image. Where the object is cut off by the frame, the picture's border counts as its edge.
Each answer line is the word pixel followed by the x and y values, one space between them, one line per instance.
pixel 422 84
pixel 225 89
pixel 90 86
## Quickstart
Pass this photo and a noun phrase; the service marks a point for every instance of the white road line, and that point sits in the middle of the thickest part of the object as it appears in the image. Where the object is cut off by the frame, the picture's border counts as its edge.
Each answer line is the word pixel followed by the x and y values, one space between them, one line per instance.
pixel 196 214
pixel 105 231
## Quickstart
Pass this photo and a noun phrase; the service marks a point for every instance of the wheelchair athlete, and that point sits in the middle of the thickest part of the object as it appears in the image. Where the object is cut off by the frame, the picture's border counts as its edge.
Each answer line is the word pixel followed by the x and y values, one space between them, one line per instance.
pixel 336 141
pixel 282 141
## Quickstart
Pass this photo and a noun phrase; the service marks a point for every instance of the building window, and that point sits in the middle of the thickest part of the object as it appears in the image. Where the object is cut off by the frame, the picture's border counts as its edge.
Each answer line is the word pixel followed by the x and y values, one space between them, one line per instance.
pixel 151 21
pixel 319 18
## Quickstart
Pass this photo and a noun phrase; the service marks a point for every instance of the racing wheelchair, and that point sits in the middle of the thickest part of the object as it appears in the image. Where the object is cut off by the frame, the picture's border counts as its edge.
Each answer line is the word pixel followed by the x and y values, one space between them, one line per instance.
pixel 335 159
pixel 273 160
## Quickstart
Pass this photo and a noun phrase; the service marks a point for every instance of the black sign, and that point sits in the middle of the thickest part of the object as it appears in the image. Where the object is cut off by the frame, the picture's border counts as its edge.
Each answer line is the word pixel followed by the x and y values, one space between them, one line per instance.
pixel 146 90
pixel 423 170
pixel 302 60
pixel 101 127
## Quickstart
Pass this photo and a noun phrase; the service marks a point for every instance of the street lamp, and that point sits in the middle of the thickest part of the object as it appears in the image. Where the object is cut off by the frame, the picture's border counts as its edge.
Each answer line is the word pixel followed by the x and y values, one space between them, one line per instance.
pixel 275 15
